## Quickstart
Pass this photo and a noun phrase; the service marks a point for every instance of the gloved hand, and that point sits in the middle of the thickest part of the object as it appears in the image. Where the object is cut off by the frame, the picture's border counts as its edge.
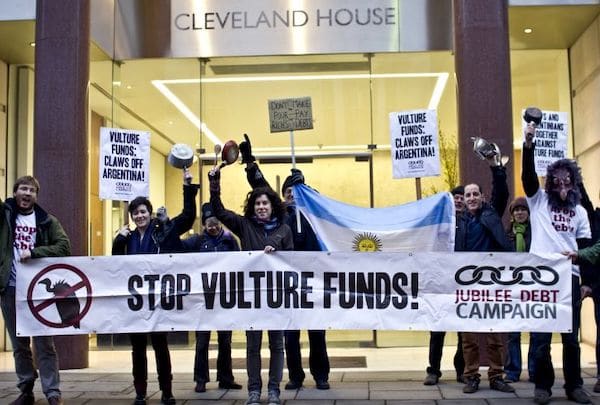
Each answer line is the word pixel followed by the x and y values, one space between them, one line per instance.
pixel 214 177
pixel 161 214
pixel 246 150
pixel 297 177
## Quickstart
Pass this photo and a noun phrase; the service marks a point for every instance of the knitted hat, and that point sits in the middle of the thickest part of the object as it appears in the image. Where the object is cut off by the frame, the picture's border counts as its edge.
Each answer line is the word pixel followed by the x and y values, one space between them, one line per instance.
pixel 458 190
pixel 518 202
pixel 207 212
pixel 287 183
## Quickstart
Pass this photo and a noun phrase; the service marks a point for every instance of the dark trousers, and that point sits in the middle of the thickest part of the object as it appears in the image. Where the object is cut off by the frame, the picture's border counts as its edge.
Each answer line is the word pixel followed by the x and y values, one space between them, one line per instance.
pixel 596 298
pixel 139 342
pixel 201 366
pixel 436 346
pixel 544 370
pixel 318 359
pixel 513 364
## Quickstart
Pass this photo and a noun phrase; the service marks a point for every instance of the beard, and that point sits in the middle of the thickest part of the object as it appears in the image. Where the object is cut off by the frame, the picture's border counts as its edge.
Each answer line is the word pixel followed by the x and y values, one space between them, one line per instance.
pixel 570 202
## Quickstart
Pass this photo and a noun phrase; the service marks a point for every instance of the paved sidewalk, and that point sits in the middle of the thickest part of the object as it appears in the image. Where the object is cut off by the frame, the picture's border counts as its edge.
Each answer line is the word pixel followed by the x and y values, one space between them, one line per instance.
pixel 347 388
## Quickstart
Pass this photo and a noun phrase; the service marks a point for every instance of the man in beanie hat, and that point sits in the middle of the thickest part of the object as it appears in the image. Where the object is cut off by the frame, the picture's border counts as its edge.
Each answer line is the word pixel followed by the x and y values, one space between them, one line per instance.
pixel 436 338
pixel 213 239
pixel 305 240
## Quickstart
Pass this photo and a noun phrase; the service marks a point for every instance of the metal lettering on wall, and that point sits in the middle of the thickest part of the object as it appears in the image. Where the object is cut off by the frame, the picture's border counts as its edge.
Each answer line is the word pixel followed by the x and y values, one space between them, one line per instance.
pixel 208 28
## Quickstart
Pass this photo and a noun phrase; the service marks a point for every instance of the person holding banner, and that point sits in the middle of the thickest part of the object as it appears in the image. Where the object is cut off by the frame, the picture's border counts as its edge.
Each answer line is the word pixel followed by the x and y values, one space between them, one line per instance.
pixel 213 239
pixel 436 338
pixel 28 232
pixel 480 229
pixel 559 222
pixel 304 240
pixel 262 227
pixel 519 233
pixel 152 236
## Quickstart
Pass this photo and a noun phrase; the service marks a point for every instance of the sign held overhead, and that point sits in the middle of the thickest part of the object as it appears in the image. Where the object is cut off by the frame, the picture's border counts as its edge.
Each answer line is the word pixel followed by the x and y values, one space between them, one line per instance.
pixel 290 113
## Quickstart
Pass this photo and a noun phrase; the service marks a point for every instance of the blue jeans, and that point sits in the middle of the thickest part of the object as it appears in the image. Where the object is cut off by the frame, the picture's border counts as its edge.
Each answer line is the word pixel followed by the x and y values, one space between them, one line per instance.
pixel 318 359
pixel 544 370
pixel 253 360
pixel 512 364
pixel 46 357
pixel 224 373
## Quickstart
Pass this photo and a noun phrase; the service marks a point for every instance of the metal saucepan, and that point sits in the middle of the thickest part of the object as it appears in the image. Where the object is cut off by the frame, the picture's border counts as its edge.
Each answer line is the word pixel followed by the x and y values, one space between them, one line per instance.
pixel 181 156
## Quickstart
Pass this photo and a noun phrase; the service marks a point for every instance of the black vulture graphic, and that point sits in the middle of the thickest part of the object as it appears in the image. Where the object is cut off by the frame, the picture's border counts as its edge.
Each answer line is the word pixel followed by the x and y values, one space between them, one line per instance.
pixel 68 306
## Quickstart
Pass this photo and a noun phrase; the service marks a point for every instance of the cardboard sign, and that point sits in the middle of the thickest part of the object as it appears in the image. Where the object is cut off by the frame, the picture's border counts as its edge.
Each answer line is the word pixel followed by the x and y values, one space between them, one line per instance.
pixel 290 113
pixel 414 144
pixel 124 167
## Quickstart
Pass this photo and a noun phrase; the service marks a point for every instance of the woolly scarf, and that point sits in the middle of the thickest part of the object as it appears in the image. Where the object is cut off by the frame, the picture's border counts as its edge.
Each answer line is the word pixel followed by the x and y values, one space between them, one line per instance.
pixel 519 230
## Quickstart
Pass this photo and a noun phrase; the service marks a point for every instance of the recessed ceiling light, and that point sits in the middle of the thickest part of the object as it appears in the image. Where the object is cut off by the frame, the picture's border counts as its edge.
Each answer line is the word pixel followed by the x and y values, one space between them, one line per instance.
pixel 170 122
pixel 32 44
pixel 129 87
pixel 527 30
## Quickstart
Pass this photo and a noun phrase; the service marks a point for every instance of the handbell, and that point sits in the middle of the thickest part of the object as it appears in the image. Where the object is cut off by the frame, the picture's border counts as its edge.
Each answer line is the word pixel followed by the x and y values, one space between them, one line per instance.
pixel 488 151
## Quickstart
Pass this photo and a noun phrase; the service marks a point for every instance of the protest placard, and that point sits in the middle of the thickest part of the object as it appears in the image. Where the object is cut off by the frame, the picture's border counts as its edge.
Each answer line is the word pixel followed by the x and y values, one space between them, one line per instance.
pixel 290 114
pixel 124 165
pixel 414 144
pixel 550 139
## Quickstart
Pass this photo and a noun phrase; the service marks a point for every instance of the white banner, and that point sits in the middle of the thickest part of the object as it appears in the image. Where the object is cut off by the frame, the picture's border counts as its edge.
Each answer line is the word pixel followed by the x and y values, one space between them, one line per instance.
pixel 550 139
pixel 414 144
pixel 124 165
pixel 294 290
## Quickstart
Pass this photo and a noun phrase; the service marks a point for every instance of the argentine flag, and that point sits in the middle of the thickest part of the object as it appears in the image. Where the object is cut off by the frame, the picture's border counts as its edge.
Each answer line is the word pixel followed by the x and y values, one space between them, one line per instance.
pixel 425 225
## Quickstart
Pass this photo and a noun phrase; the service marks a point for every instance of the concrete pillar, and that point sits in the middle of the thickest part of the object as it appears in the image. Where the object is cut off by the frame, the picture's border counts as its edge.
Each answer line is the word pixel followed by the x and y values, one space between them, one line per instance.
pixel 60 131
pixel 482 62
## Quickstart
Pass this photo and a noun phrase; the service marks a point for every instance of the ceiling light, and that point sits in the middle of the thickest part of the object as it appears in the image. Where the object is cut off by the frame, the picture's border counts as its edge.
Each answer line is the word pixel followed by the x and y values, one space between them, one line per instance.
pixel 32 44
pixel 528 30
pixel 161 86
pixel 129 87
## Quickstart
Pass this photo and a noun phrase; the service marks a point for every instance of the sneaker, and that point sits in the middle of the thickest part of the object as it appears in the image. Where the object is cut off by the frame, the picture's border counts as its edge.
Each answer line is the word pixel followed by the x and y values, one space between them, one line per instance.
pixel 471 386
pixel 253 398
pixel 541 396
pixel 431 379
pixel 55 401
pixel 579 395
pixel 140 399
pixel 273 398
pixel 26 398
pixel 322 384
pixel 499 384
pixel 293 385
pixel 167 399
pixel 597 386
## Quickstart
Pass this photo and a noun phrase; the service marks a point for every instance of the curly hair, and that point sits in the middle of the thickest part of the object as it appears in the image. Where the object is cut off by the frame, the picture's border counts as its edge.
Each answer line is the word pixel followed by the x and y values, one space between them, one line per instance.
pixel 136 202
pixel 276 204
pixel 574 195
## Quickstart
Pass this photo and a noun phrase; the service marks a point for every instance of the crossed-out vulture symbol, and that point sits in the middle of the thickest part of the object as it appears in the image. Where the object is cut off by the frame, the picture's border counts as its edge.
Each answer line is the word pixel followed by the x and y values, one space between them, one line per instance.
pixel 65 296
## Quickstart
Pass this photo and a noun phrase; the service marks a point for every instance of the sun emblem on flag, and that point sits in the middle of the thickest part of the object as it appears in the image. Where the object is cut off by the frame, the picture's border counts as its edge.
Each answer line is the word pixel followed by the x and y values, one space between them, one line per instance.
pixel 366 242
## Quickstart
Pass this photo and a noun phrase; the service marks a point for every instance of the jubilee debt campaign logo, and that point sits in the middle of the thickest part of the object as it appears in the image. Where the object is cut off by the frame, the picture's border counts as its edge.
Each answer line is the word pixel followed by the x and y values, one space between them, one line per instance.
pixel 56 294
pixel 513 292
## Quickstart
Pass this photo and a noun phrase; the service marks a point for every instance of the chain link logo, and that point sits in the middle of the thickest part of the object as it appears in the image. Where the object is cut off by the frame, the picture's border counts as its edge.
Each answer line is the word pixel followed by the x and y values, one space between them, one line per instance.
pixel 488 275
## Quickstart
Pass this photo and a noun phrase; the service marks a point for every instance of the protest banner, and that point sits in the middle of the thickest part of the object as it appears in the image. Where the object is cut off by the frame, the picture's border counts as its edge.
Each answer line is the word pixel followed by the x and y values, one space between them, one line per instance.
pixel 465 291
pixel 124 164
pixel 414 144
pixel 550 139
pixel 290 114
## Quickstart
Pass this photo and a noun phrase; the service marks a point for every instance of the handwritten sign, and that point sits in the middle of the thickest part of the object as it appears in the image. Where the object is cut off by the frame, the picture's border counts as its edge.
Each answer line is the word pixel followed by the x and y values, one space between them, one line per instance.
pixel 550 139
pixel 124 164
pixel 414 144
pixel 290 113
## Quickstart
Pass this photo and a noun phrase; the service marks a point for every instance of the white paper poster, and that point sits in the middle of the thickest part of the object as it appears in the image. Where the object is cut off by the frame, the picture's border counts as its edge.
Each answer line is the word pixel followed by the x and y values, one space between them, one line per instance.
pixel 550 139
pixel 414 144
pixel 124 165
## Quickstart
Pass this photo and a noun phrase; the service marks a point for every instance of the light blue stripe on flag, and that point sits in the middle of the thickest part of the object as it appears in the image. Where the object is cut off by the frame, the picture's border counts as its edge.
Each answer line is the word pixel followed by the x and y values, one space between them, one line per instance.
pixel 423 225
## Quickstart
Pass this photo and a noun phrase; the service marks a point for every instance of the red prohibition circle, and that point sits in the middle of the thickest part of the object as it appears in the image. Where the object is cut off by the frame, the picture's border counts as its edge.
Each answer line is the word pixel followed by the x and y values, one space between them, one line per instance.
pixel 35 310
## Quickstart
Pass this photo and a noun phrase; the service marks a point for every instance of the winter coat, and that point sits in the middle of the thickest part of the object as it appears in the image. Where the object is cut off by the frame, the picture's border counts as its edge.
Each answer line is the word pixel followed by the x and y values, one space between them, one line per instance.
pixel 204 242
pixel 51 240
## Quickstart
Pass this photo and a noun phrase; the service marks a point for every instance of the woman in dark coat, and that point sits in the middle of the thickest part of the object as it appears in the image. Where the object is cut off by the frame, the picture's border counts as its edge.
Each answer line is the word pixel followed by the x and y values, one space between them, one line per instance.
pixel 262 227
